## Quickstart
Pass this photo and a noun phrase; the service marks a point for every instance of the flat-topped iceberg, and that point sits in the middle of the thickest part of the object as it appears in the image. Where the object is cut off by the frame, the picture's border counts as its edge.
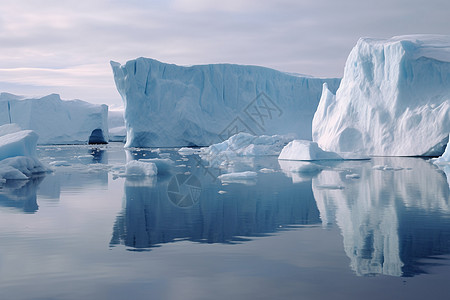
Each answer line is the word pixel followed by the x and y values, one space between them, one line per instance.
pixel 394 99
pixel 57 121
pixel 169 105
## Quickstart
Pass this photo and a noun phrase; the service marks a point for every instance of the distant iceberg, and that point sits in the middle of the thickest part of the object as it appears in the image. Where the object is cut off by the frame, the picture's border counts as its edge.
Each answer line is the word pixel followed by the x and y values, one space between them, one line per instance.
pixel 172 106
pixel 56 121
pixel 394 99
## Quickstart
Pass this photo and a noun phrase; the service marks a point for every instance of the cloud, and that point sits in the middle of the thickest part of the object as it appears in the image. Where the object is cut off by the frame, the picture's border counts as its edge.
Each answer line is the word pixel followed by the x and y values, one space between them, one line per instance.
pixel 68 44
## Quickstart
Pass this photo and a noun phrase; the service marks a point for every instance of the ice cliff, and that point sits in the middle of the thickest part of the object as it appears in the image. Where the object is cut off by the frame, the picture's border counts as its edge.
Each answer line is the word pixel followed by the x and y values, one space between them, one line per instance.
pixel 170 105
pixel 394 99
pixel 56 121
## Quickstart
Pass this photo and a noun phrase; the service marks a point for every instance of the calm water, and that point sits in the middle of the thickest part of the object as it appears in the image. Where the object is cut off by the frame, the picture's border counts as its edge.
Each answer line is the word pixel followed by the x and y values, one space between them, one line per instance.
pixel 355 230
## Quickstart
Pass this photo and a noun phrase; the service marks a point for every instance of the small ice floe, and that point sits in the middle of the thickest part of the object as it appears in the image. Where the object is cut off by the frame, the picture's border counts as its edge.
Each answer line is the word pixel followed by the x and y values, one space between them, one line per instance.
pixel 60 163
pixel 386 168
pixel 352 176
pixel 139 168
pixel 248 177
pixel 187 151
pixel 330 187
pixel 266 170
pixel 164 165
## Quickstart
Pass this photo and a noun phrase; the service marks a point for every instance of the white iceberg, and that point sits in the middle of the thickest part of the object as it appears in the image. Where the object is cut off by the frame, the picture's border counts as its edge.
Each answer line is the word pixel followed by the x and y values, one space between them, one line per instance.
pixel 394 99
pixel 306 150
pixel 18 159
pixel 57 121
pixel 172 106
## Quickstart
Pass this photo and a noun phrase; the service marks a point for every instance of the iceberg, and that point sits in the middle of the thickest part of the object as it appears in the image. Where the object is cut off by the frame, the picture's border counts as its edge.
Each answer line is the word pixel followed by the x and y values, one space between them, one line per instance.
pixel 394 99
pixel 173 106
pixel 56 121
pixel 306 150
pixel 18 158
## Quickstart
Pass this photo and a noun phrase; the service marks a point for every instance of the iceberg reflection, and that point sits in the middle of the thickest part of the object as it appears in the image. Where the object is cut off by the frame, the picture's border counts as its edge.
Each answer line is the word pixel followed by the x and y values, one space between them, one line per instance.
pixel 221 214
pixel 21 194
pixel 393 213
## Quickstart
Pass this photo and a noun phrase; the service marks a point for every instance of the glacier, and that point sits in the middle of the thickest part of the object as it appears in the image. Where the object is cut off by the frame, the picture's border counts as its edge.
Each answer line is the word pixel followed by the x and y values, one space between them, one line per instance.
pixel 173 106
pixel 394 99
pixel 56 121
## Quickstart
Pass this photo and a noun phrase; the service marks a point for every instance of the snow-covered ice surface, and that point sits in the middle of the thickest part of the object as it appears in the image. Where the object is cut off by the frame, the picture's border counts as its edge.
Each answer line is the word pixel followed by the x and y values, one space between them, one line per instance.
pixel 394 99
pixel 172 106
pixel 306 150
pixel 56 121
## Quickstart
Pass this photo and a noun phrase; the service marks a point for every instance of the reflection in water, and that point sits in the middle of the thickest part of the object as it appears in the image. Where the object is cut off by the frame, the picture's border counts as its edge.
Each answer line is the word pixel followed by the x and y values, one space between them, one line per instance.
pixel 21 194
pixel 394 213
pixel 238 212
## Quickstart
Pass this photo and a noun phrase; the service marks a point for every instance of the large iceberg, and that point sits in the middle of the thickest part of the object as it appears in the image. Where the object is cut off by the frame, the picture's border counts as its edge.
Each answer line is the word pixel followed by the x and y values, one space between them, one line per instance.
pixel 394 99
pixel 56 121
pixel 169 105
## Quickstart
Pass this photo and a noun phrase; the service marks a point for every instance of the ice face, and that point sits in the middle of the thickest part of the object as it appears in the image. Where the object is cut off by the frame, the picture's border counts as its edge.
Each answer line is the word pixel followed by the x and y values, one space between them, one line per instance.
pixel 394 99
pixel 54 120
pixel 169 105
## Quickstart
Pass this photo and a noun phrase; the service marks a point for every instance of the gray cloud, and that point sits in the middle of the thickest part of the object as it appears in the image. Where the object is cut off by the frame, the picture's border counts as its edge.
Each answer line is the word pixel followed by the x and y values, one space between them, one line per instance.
pixel 65 46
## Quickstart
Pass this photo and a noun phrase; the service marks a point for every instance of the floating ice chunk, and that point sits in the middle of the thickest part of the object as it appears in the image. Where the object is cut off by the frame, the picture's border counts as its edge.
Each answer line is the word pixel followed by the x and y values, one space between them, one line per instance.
pixel 187 151
pixel 245 144
pixel 394 99
pixel 248 177
pixel 267 170
pixel 353 176
pixel 173 106
pixel 139 168
pixel 306 150
pixel 19 143
pixel 20 168
pixel 164 165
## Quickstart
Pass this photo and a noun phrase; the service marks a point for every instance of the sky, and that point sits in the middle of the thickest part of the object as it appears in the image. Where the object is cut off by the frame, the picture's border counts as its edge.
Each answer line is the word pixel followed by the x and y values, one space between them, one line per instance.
pixel 64 47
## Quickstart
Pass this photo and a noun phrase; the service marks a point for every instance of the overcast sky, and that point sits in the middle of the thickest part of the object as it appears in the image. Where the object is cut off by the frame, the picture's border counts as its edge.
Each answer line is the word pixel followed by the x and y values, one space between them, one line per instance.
pixel 54 46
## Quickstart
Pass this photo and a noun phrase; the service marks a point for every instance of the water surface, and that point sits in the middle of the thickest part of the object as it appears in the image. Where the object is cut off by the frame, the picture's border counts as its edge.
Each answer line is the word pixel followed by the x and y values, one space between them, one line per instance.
pixel 376 229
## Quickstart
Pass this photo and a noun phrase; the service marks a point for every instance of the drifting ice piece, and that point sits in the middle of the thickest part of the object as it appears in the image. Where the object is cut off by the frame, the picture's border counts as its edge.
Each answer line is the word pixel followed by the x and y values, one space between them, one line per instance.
pixel 56 121
pixel 168 105
pixel 394 99
pixel 306 150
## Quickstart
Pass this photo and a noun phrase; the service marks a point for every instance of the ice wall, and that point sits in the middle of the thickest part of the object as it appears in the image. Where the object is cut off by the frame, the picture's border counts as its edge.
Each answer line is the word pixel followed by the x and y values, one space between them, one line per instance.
pixel 394 99
pixel 169 105
pixel 54 120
